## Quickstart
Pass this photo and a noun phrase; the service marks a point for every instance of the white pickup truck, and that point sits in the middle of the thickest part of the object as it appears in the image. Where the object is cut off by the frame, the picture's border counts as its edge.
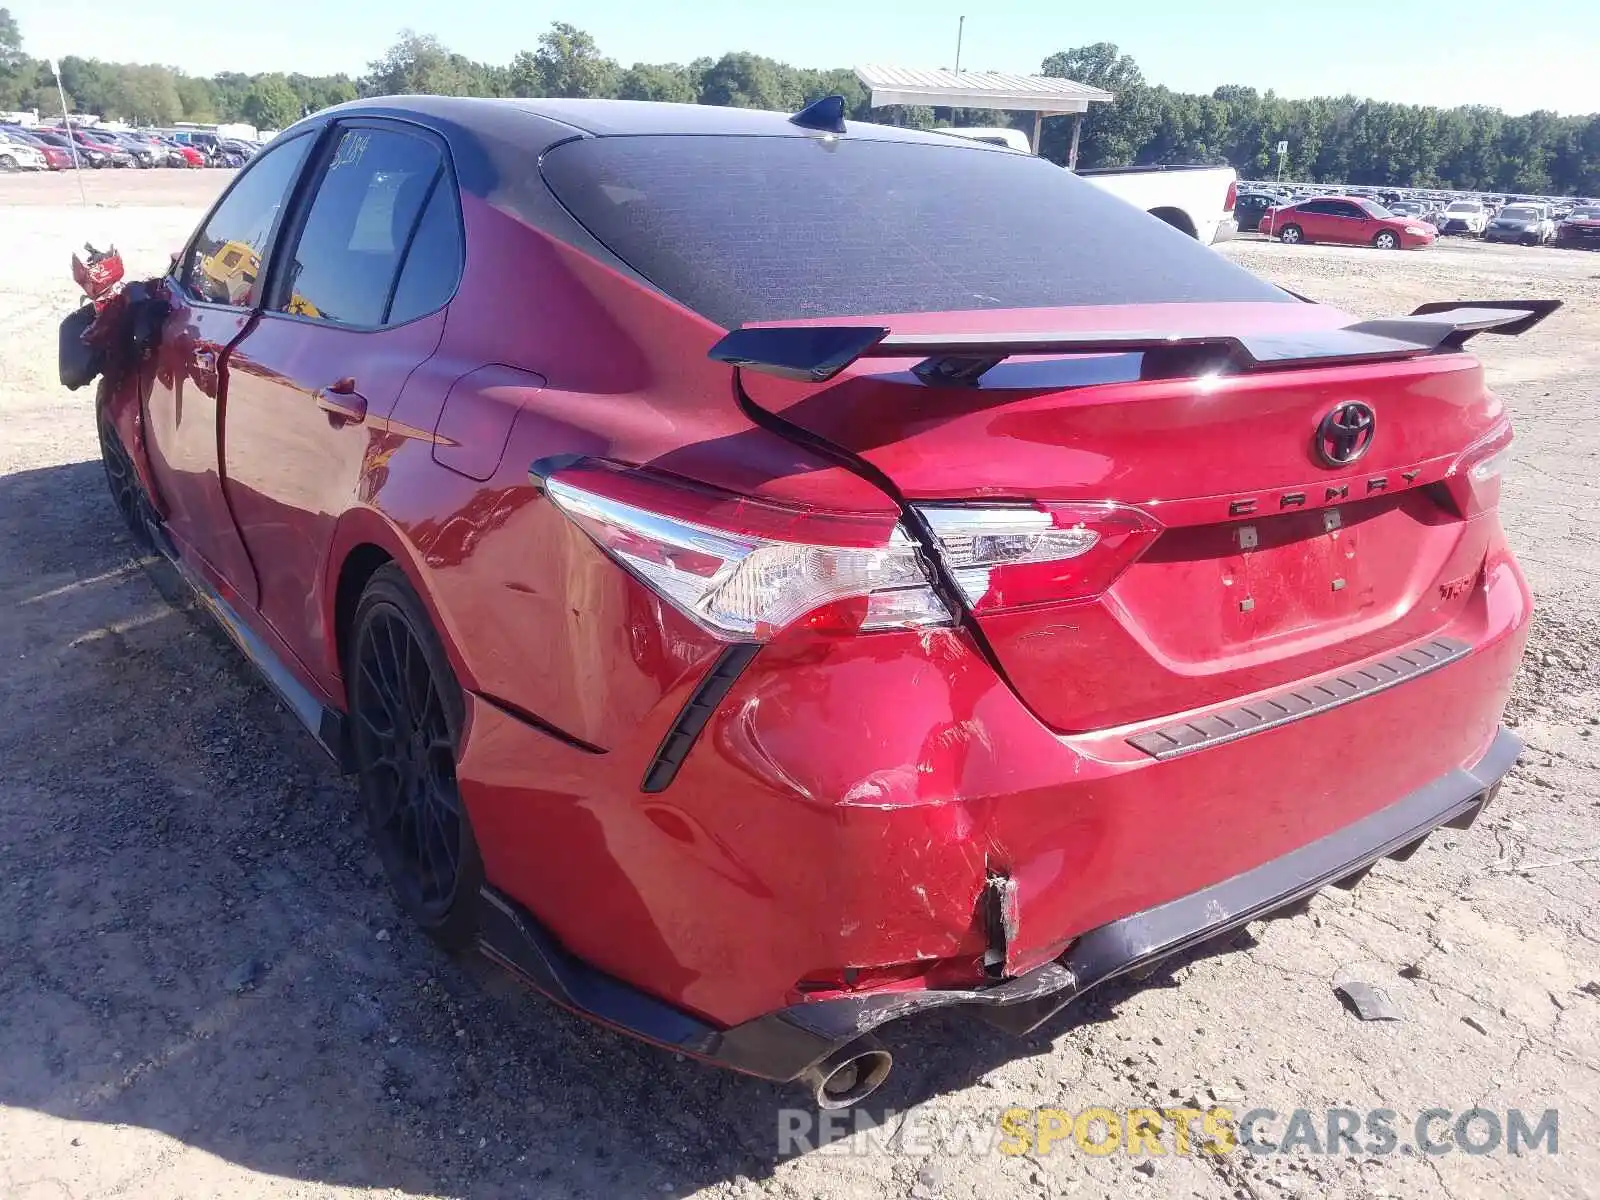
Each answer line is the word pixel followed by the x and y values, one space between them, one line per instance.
pixel 1197 200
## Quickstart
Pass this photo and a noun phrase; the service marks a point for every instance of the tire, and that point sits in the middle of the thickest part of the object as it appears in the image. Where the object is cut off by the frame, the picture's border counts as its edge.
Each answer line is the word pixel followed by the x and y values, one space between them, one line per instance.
pixel 406 716
pixel 127 493
pixel 1386 240
pixel 1291 235
pixel 7 163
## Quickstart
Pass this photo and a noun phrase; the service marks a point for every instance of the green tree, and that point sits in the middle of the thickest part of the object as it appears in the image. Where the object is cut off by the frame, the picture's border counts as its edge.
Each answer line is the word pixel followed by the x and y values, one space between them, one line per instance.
pixel 318 92
pixel 197 98
pixel 90 83
pixel 11 56
pixel 567 63
pixel 417 64
pixel 145 95
pixel 14 72
pixel 657 81
pixel 1114 133
pixel 751 81
pixel 271 103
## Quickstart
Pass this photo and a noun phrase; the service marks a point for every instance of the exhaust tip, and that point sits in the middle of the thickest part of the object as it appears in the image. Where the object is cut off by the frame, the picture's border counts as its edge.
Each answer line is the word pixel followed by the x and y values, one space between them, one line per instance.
pixel 848 1075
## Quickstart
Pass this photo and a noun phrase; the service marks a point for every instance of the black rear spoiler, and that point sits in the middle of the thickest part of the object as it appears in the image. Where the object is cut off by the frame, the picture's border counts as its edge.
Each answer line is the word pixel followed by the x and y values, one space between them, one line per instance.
pixel 816 353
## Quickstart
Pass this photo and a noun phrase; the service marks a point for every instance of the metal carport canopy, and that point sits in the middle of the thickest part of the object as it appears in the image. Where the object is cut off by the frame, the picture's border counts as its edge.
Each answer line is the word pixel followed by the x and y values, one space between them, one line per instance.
pixel 978 89
pixel 1042 95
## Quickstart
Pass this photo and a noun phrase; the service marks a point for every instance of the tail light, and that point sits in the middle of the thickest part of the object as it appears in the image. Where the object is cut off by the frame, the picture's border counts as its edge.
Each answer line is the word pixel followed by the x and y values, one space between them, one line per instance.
pixel 1473 480
pixel 1233 196
pixel 1013 556
pixel 744 569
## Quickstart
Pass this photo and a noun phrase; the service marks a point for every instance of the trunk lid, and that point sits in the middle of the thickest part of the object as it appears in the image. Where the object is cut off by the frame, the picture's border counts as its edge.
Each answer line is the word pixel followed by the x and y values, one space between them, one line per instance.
pixel 1271 563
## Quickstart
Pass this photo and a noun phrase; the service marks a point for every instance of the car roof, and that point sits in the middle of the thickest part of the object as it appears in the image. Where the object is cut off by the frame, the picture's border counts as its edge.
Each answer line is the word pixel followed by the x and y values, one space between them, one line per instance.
pixel 544 121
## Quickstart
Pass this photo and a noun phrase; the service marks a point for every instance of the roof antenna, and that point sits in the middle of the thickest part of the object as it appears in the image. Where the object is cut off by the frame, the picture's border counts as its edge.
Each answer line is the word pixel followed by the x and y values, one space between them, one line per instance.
pixel 826 115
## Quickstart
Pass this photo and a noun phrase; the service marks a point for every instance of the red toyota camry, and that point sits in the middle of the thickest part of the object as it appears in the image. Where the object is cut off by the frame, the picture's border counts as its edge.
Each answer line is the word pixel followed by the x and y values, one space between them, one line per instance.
pixel 771 575
pixel 1349 219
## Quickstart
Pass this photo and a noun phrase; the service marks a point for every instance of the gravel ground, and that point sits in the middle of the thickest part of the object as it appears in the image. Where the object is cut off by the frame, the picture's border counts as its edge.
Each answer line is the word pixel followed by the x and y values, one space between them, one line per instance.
pixel 207 991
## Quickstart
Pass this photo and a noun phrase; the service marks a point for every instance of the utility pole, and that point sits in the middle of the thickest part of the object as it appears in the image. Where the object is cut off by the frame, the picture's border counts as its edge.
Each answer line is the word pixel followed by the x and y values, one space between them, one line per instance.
pixel 961 25
pixel 77 166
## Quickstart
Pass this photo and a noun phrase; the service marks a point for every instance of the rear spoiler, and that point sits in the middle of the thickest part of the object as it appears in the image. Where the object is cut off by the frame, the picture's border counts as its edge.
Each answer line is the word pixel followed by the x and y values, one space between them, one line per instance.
pixel 816 353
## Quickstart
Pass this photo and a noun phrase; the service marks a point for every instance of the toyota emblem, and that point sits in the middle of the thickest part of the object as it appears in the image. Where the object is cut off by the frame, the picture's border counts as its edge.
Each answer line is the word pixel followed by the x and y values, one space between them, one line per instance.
pixel 1345 433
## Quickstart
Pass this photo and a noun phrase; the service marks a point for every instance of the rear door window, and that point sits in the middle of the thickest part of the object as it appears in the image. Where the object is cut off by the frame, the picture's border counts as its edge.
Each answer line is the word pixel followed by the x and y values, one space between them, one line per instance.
pixel 368 203
pixel 434 262
pixel 744 228
pixel 225 260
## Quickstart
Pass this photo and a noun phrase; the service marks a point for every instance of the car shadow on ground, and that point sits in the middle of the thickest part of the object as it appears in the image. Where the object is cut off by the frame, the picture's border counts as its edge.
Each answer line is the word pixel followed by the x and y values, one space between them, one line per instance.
pixel 198 941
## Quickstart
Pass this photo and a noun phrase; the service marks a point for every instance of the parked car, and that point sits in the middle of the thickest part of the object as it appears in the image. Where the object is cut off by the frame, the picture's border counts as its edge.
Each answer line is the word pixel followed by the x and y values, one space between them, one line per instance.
pixel 1347 220
pixel 191 157
pixel 79 154
pixel 1422 211
pixel 228 153
pixel 1526 224
pixel 18 155
pixel 1249 207
pixel 1464 216
pixel 143 154
pixel 99 152
pixel 165 155
pixel 207 143
pixel 57 158
pixel 712 651
pixel 238 148
pixel 1580 229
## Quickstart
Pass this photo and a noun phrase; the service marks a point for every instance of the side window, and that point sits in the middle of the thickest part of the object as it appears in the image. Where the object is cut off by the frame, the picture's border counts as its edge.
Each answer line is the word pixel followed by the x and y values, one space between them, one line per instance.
pixel 224 263
pixel 367 203
pixel 433 264
pixel 1321 207
pixel 1348 210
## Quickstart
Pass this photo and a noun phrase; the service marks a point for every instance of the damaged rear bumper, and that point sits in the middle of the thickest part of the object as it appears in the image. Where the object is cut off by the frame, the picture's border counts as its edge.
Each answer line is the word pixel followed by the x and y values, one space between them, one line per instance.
pixel 781 1045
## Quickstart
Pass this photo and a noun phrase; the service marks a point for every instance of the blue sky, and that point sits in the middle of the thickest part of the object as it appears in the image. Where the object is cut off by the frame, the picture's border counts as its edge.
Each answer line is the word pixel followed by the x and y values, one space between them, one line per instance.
pixel 1517 55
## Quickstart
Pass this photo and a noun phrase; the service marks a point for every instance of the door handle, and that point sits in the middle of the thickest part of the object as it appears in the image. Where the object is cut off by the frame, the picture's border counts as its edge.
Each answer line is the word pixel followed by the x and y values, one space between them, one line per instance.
pixel 343 404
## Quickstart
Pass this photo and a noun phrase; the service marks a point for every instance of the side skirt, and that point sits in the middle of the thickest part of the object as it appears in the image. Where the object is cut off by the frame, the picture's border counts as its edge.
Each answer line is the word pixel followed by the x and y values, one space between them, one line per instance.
pixel 324 723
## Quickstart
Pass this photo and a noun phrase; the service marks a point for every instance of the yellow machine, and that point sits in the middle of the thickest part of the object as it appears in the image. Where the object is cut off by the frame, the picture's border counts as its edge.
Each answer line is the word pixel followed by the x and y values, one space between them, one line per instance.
pixel 231 272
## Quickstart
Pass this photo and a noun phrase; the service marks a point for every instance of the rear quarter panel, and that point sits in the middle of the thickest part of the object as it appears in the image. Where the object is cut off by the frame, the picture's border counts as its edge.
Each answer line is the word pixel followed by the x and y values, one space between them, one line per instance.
pixel 554 355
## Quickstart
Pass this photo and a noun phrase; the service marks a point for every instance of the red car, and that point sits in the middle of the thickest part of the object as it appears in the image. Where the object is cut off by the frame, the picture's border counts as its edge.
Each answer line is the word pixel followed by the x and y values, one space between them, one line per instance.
pixel 1348 219
pixel 56 158
pixel 1580 228
pixel 770 575
pixel 98 151
pixel 191 156
pixel 53 144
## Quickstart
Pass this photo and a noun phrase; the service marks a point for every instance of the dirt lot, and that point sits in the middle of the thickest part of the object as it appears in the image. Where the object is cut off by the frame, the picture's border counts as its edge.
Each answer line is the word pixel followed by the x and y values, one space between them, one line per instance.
pixel 206 991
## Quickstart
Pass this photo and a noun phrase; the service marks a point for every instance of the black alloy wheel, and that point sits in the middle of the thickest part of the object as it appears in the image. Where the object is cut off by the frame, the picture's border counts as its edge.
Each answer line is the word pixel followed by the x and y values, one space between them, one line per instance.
pixel 126 491
pixel 406 714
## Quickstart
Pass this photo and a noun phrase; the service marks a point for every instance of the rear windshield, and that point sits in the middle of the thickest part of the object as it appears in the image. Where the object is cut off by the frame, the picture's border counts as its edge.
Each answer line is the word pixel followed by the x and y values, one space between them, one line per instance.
pixel 747 229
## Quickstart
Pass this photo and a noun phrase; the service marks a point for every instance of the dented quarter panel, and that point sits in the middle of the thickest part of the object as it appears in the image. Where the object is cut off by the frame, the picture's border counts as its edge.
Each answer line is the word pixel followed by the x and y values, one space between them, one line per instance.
pixel 784 850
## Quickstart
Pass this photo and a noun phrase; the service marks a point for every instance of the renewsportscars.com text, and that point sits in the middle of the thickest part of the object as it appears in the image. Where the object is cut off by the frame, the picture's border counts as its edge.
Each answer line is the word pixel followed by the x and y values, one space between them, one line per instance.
pixel 1100 1131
